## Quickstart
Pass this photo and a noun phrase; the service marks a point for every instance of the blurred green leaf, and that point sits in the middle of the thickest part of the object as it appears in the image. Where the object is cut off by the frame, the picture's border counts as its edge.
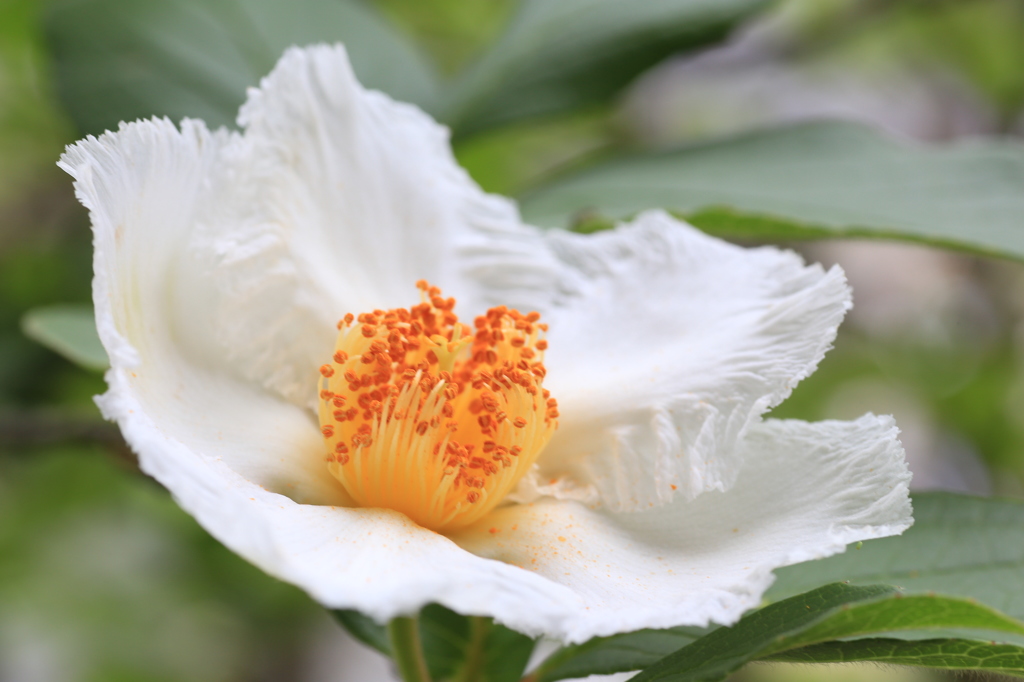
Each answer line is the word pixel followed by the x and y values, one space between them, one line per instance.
pixel 959 545
pixel 951 654
pixel 831 612
pixel 120 60
pixel 364 629
pixel 557 56
pixel 69 330
pixel 615 654
pixel 453 642
pixel 825 179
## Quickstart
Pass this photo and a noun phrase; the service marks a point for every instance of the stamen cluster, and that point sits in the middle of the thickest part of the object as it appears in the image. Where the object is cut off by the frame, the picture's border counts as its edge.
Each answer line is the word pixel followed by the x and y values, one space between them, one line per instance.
pixel 427 417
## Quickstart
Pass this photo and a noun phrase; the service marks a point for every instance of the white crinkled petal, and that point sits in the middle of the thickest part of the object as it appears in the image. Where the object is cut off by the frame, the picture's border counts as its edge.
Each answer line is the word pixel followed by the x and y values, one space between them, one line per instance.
pixel 374 560
pixel 239 459
pixel 665 344
pixel 806 492
pixel 335 199
pixel 144 186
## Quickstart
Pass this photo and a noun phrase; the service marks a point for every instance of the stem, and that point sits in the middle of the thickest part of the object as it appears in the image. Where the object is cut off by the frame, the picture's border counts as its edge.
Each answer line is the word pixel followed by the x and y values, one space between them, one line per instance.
pixel 404 633
pixel 475 649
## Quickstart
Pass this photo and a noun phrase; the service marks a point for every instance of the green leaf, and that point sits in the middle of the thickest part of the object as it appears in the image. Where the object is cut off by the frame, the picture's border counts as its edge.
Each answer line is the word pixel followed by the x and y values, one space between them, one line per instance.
pixel 902 613
pixel 364 629
pixel 827 179
pixel 956 654
pixel 69 330
pixel 727 649
pixel 615 654
pixel 557 56
pixel 959 545
pixel 127 59
pixel 506 653
pixel 836 611
pixel 452 642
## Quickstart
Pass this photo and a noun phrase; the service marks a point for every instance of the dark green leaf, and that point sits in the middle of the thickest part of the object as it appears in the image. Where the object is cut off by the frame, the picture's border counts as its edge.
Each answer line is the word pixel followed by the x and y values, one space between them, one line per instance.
pixel 959 545
pixel 836 611
pixel 127 59
pixel 903 613
pixel 814 180
pixel 956 654
pixel 618 653
pixel 557 56
pixel 446 637
pixel 69 330
pixel 364 629
pixel 452 642
pixel 727 649
pixel 506 654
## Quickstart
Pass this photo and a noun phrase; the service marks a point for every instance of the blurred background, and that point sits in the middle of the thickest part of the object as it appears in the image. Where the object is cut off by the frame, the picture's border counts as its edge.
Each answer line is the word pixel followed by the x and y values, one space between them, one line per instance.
pixel 103 578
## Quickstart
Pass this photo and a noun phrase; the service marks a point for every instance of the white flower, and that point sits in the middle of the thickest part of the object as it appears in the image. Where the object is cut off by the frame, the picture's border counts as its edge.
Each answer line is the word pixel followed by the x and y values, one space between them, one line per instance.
pixel 224 260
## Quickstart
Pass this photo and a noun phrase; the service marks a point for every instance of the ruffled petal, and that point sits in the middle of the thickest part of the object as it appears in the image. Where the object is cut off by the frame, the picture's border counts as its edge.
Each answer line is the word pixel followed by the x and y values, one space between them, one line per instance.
pixel 807 490
pixel 144 186
pixel 335 199
pixel 245 463
pixel 374 560
pixel 665 344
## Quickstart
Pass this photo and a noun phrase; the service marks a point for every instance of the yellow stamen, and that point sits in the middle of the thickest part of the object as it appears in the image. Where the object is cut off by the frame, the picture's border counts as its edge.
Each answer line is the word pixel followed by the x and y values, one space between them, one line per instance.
pixel 423 416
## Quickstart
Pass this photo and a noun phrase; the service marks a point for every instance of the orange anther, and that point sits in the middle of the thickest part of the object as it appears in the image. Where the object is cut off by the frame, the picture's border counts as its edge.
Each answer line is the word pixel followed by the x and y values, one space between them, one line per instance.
pixel 405 375
pixel 327 371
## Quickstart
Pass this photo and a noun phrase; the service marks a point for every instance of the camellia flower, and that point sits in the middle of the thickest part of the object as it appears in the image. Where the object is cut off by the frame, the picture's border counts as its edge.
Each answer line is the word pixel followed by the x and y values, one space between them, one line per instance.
pixel 370 379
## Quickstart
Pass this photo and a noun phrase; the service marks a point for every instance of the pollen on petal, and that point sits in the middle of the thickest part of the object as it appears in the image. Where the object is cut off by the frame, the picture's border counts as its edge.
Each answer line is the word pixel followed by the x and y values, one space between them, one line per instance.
pixel 449 417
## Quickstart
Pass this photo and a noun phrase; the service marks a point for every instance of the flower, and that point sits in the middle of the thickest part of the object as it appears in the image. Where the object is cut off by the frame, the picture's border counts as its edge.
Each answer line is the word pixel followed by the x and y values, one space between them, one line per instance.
pixel 224 261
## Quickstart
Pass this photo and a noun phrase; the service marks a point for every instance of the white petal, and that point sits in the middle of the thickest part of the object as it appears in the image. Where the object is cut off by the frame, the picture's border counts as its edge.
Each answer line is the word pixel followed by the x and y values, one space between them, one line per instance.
pixel 665 344
pixel 144 186
pixel 334 200
pixel 374 560
pixel 807 491
pixel 230 453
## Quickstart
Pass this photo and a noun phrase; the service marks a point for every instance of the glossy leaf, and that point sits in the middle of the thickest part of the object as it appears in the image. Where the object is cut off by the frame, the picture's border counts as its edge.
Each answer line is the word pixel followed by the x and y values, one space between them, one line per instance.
pixel 364 629
pixel 615 654
pixel 827 179
pixel 836 611
pixel 951 654
pixel 69 330
pixel 959 545
pixel 119 60
pixel 557 56
pixel 452 642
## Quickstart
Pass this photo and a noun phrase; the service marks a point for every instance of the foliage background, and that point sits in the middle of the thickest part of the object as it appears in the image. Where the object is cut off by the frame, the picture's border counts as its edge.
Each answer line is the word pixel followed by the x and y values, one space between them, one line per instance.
pixel 103 578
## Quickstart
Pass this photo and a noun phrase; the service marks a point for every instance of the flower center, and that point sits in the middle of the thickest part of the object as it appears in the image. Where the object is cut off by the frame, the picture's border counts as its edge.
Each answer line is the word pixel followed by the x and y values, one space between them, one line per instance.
pixel 423 416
